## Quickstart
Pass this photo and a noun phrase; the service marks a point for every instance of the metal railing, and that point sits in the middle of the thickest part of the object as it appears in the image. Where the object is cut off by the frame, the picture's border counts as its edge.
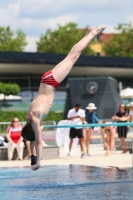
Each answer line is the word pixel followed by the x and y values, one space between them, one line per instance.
pixel 48 136
pixel 4 126
pixel 130 124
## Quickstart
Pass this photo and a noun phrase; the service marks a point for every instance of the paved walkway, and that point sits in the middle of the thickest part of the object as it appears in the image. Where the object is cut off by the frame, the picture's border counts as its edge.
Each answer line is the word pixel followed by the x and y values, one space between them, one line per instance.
pixel 97 159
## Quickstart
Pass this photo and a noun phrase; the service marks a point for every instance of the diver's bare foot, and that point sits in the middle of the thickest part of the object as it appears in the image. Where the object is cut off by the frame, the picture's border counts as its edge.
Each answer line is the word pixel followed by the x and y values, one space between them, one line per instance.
pixel 97 30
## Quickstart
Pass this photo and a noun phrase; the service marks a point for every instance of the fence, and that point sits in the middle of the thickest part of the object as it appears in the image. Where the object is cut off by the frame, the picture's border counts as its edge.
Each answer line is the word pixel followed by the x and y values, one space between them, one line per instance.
pixel 4 125
pixel 48 136
pixel 130 124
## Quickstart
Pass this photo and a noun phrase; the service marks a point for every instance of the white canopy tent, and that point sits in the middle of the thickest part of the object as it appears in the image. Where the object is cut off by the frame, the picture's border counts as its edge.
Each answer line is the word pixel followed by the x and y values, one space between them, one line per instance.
pixel 10 97
pixel 127 93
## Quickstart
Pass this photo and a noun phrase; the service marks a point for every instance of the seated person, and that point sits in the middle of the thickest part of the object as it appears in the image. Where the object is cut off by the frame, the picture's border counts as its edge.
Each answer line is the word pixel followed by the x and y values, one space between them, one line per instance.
pixel 15 140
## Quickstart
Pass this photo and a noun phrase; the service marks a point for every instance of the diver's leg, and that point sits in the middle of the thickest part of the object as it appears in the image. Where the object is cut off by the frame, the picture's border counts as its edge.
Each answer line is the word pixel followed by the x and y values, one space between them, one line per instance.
pixel 61 70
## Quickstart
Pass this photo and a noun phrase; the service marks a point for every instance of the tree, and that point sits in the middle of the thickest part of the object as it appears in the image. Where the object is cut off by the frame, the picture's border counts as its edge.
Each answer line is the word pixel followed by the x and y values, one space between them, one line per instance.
pixel 120 44
pixel 9 89
pixel 62 39
pixel 10 41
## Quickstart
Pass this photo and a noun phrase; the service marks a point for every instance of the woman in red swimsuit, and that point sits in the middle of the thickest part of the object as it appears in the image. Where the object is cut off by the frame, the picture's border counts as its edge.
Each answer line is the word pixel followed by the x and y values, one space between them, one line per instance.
pixel 15 140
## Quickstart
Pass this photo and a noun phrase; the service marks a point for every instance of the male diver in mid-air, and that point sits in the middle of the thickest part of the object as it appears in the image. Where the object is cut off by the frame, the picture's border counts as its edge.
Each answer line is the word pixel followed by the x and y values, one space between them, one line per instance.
pixel 42 103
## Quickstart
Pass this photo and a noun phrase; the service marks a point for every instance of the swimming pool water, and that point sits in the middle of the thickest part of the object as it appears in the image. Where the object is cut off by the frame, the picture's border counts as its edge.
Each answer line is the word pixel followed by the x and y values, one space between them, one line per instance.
pixel 66 182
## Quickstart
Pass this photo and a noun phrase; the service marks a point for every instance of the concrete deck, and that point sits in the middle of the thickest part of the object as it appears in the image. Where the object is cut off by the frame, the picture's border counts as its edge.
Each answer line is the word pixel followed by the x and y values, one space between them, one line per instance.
pixel 97 159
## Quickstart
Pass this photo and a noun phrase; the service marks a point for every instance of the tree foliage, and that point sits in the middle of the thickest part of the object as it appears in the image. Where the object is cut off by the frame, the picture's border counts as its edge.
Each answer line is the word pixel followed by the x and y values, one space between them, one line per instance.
pixel 120 44
pixel 9 41
pixel 9 88
pixel 62 39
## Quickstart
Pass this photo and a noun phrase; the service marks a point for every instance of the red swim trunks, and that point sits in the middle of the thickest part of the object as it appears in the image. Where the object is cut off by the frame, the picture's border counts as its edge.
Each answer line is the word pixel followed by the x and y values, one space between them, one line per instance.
pixel 48 79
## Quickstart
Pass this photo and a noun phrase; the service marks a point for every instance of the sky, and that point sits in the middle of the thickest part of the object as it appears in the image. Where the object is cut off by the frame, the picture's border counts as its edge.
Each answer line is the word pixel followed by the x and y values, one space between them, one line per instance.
pixel 34 17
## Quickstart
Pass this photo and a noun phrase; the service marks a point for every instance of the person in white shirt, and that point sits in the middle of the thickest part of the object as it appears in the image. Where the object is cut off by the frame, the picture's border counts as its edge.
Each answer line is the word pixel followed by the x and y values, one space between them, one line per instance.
pixel 77 116
pixel 131 111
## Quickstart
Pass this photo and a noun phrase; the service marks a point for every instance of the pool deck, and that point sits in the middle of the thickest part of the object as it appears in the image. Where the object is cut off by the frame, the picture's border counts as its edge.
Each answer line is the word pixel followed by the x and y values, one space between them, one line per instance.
pixel 97 159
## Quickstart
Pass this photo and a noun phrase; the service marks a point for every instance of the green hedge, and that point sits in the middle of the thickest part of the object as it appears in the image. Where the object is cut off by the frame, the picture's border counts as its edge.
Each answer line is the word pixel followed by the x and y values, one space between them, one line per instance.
pixel 8 116
pixel 54 116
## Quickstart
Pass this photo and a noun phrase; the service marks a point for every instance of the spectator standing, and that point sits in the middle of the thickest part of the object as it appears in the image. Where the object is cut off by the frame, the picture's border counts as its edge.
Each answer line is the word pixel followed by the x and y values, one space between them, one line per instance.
pixel 122 116
pixel 15 140
pixel 77 116
pixel 90 118
pixel 131 116
pixel 131 111
pixel 110 134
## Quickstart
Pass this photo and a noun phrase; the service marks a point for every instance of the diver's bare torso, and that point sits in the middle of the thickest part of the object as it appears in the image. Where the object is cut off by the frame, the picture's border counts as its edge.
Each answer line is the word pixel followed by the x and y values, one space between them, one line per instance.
pixel 42 103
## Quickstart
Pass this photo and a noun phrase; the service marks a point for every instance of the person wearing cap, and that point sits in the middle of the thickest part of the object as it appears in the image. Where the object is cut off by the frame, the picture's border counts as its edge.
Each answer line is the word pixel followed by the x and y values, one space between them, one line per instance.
pixel 90 118
pixel 15 140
